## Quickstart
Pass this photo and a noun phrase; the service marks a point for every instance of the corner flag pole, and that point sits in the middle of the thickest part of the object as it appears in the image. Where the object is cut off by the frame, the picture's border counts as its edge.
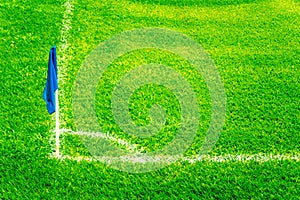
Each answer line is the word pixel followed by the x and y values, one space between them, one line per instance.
pixel 56 124
pixel 50 94
pixel 57 134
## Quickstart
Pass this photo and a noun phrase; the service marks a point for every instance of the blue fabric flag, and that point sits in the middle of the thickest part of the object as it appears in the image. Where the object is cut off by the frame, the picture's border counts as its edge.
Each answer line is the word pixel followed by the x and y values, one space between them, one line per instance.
pixel 51 84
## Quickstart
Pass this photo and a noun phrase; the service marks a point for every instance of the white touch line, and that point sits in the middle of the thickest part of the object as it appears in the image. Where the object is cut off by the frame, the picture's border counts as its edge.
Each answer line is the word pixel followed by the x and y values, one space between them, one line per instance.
pixel 261 158
pixel 139 157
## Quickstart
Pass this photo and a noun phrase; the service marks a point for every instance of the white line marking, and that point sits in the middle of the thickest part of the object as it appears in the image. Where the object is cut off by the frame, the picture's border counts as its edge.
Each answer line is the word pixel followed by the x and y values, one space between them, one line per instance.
pixel 66 27
pixel 261 158
pixel 64 44
pixel 133 148
pixel 138 157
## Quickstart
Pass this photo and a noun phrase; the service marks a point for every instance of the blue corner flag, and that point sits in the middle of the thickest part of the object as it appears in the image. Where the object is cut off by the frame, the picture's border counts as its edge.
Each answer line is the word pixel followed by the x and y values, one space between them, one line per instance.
pixel 51 84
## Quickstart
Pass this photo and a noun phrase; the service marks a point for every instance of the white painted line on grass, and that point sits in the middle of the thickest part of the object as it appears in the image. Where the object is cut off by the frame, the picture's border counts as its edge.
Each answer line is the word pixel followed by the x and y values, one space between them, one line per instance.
pixel 63 57
pixel 64 36
pixel 66 26
pixel 125 144
pixel 137 156
pixel 261 158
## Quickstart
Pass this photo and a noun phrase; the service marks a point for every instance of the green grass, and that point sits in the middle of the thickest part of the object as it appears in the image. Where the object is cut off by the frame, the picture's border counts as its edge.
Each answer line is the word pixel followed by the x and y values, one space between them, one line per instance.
pixel 255 46
pixel 207 3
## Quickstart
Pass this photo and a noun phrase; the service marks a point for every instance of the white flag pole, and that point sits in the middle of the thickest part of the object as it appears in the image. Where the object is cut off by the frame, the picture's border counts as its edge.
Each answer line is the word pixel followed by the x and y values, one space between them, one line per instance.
pixel 56 124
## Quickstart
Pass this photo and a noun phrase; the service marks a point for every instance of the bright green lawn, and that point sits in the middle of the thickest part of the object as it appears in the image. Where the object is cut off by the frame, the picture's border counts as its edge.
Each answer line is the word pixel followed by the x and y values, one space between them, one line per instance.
pixel 254 44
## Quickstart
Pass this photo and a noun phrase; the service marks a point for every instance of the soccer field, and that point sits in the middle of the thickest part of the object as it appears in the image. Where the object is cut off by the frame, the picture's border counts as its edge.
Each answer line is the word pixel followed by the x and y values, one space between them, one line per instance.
pixel 254 45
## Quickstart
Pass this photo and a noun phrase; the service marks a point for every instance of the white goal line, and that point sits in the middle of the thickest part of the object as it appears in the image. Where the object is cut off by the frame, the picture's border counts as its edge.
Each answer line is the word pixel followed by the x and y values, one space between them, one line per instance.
pixel 261 158
pixel 138 157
